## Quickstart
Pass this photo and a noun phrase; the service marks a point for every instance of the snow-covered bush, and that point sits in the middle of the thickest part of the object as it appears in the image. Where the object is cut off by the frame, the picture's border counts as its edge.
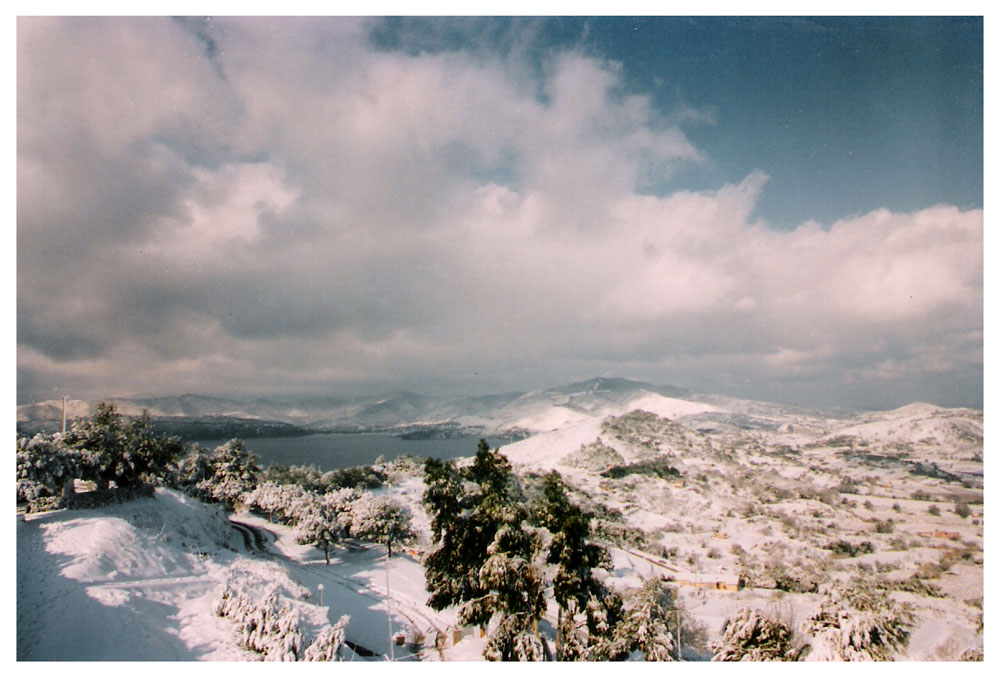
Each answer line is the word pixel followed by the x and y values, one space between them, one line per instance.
pixel 751 636
pixel 326 647
pixel 595 456
pixel 858 623
pixel 270 627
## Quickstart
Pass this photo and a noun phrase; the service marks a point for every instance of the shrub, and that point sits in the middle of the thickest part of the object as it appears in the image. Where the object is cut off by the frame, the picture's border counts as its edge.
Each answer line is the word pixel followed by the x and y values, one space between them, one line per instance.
pixel 934 510
pixel 962 510
pixel 658 468
pixel 849 550
pixel 885 527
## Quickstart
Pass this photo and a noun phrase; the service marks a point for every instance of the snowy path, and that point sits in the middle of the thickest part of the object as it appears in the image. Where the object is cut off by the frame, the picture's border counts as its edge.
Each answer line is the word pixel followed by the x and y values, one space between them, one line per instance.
pixel 355 583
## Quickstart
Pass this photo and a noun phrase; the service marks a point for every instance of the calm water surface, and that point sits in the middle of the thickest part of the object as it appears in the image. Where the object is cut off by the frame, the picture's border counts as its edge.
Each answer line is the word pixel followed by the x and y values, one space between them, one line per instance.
pixel 329 451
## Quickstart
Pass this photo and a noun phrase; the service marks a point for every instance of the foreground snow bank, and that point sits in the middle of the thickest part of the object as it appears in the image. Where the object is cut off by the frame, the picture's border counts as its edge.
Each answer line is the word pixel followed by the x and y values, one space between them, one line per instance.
pixel 136 581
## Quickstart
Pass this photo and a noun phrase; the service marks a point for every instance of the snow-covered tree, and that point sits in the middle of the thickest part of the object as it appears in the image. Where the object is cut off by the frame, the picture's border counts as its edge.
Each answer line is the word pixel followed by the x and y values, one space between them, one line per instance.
pixel 646 621
pixel 644 626
pixel 192 473
pixel 282 501
pixel 316 524
pixel 574 584
pixel 461 538
pixel 751 636
pixel 236 471
pixel 342 501
pixel 381 519
pixel 858 622
pixel 45 467
pixel 326 647
pixel 121 449
pixel 512 640
pixel 514 591
pixel 485 559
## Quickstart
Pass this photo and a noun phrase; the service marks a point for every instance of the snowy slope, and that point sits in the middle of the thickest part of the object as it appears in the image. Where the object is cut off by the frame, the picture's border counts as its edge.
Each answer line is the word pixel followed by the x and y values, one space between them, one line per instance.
pixel 124 583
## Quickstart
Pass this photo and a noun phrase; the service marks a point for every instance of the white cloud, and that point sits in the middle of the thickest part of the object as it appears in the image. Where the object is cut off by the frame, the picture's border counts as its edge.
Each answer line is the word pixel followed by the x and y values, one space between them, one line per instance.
pixel 302 209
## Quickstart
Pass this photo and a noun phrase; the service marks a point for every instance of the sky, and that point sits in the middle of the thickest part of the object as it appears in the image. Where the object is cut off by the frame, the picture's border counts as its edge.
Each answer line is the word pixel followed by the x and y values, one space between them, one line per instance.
pixel 787 209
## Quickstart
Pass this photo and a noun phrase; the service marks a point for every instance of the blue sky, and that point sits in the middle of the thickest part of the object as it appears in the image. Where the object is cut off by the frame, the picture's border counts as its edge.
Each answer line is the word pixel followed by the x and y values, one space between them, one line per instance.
pixel 775 208
pixel 845 114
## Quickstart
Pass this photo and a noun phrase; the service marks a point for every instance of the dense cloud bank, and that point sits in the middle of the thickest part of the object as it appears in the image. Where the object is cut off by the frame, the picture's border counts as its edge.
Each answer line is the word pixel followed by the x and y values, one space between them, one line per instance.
pixel 250 206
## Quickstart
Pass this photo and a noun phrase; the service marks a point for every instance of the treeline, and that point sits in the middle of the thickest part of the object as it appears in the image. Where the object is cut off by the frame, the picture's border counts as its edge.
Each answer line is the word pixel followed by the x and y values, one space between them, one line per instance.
pixel 124 457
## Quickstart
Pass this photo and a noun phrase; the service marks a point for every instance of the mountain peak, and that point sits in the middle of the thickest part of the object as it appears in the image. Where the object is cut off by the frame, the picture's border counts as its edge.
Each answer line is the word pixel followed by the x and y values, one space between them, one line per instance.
pixel 605 384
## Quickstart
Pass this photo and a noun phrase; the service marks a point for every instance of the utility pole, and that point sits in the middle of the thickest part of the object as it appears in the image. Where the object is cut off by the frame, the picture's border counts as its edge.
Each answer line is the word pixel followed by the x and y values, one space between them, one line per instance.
pixel 388 607
pixel 64 416
pixel 678 611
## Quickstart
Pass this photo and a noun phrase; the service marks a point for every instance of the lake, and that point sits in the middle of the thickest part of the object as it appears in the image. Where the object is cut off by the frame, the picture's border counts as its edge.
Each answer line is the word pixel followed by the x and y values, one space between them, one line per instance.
pixel 329 451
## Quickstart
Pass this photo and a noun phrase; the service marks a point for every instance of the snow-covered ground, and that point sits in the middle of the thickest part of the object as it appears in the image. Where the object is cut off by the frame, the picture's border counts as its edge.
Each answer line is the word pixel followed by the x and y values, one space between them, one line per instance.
pixel 139 581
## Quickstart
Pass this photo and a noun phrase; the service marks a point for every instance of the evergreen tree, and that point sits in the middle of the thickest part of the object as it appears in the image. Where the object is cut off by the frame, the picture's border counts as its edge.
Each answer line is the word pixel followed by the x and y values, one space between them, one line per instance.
pixel 192 473
pixel 452 569
pixel 45 467
pixel 101 441
pixel 484 560
pixel 236 471
pixel 858 623
pixel 751 636
pixel 643 626
pixel 574 585
pixel 121 449
pixel 326 647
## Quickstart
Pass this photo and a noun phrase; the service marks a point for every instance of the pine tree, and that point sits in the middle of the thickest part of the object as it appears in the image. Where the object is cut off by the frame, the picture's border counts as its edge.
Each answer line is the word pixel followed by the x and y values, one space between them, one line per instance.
pixel 236 471
pixel 646 621
pixel 751 636
pixel 574 585
pixel 326 647
pixel 45 467
pixel 858 623
pixel 643 627
pixel 116 448
pixel 484 560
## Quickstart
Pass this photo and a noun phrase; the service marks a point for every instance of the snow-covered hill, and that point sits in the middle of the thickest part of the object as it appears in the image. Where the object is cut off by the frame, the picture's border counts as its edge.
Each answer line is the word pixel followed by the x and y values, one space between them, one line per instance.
pixel 492 415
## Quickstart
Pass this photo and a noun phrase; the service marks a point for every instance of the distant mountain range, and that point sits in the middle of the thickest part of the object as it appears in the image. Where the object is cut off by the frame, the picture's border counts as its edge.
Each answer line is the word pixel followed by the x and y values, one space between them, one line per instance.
pixel 509 415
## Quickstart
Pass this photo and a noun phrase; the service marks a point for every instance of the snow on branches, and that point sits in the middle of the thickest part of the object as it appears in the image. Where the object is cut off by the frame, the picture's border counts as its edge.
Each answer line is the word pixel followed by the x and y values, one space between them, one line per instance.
pixel 858 623
pixel 269 626
pixel 750 636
